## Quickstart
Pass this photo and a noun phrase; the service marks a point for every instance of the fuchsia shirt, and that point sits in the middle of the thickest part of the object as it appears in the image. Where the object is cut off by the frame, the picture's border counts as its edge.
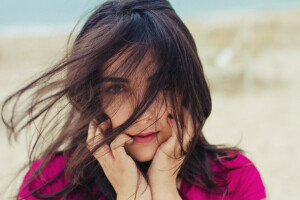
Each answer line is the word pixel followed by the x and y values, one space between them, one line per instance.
pixel 246 182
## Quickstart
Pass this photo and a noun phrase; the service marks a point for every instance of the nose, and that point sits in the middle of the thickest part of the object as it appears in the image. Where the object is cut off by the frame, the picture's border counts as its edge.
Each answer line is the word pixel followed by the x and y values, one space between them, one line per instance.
pixel 148 115
pixel 151 113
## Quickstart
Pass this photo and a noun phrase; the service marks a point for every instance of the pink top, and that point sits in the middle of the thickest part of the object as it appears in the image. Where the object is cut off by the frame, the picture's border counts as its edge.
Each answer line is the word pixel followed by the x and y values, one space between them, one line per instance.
pixel 246 182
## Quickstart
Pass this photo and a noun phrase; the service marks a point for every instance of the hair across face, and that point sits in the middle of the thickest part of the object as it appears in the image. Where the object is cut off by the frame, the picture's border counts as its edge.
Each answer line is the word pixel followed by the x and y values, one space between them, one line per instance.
pixel 121 93
pixel 136 41
pixel 139 63
pixel 135 62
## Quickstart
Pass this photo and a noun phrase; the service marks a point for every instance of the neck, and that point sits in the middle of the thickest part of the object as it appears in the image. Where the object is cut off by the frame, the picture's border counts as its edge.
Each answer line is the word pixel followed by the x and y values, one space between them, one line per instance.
pixel 178 182
pixel 144 166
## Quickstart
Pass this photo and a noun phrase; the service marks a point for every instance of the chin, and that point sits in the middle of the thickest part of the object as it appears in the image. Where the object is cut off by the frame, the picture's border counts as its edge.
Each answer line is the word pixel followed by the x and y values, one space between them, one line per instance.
pixel 143 159
pixel 142 155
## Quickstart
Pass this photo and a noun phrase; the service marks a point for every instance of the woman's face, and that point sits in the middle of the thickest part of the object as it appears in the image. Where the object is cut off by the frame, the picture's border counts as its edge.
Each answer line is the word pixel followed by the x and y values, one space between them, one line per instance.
pixel 120 95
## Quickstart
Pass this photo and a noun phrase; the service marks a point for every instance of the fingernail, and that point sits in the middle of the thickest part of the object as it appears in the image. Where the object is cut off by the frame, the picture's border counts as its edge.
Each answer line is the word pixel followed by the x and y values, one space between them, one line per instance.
pixel 170 121
pixel 170 116
pixel 129 141
pixel 94 121
pixel 108 122
pixel 102 125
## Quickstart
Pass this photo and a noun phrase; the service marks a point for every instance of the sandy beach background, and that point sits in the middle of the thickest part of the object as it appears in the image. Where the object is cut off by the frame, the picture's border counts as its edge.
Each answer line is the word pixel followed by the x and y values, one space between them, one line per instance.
pixel 252 65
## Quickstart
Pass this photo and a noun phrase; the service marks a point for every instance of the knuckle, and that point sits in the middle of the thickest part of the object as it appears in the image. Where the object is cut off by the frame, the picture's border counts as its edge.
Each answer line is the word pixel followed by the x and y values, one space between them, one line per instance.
pixel 89 145
pixel 98 154
pixel 102 156
pixel 118 140
pixel 114 145
pixel 104 125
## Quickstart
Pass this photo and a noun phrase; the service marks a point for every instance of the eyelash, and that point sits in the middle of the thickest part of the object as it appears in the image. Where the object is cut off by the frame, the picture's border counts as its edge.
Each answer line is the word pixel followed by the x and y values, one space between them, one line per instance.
pixel 166 86
pixel 112 89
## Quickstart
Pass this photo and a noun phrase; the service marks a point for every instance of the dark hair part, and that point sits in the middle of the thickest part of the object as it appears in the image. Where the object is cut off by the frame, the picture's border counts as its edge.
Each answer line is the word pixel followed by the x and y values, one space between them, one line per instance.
pixel 69 95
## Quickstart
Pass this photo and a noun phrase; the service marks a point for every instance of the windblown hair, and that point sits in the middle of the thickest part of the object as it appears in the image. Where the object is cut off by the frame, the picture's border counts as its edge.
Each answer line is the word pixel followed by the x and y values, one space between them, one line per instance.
pixel 61 102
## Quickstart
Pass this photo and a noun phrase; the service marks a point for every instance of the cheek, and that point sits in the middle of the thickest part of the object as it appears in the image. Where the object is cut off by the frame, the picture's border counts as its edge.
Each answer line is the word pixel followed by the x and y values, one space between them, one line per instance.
pixel 168 129
pixel 118 114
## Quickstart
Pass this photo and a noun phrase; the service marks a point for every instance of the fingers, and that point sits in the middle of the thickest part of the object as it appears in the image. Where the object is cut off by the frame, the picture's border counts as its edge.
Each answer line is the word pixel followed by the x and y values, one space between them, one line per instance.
pixel 117 146
pixel 104 153
pixel 173 142
pixel 174 127
pixel 91 133
pixel 95 136
pixel 188 129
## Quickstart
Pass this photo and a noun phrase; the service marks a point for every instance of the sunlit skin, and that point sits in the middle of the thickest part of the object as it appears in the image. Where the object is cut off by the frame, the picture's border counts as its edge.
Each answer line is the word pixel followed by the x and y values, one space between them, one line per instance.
pixel 126 94
pixel 143 151
pixel 162 173
pixel 148 122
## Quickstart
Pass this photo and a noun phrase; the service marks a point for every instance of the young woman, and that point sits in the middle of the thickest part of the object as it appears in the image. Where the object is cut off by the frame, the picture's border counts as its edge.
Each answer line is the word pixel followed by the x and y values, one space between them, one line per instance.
pixel 121 116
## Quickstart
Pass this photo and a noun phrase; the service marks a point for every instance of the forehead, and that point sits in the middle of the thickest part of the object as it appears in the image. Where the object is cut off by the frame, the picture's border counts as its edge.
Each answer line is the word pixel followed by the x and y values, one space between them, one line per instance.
pixel 129 64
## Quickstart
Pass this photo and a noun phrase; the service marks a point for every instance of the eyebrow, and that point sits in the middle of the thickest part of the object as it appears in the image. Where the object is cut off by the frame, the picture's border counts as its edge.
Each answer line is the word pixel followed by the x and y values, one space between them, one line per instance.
pixel 119 79
pixel 114 79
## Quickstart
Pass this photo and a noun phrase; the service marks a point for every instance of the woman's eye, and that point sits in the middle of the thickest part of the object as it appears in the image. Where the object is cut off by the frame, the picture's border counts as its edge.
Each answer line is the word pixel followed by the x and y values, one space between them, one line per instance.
pixel 115 89
pixel 166 86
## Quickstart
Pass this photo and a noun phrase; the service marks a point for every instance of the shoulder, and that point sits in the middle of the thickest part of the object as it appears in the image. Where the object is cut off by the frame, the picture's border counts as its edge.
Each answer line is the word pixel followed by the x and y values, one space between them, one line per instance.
pixel 50 180
pixel 245 180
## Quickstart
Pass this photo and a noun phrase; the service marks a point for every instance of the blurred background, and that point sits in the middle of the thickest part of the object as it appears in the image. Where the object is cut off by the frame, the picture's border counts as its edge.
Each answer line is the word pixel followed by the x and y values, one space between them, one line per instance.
pixel 250 51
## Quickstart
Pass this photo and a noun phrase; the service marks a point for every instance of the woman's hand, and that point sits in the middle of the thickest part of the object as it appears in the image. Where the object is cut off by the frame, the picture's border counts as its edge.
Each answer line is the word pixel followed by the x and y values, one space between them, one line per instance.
pixel 162 173
pixel 118 166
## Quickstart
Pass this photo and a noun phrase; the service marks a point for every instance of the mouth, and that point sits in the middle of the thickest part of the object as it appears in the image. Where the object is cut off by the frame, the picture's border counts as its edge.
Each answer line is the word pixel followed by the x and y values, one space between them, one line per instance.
pixel 144 134
pixel 144 137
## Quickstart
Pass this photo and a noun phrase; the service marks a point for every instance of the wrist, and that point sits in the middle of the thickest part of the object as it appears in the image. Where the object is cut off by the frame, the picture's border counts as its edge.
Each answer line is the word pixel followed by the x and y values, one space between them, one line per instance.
pixel 143 193
pixel 125 196
pixel 165 193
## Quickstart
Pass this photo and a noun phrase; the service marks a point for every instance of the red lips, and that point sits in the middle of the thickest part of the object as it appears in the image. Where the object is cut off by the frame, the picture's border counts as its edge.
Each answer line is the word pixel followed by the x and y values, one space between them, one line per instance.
pixel 145 134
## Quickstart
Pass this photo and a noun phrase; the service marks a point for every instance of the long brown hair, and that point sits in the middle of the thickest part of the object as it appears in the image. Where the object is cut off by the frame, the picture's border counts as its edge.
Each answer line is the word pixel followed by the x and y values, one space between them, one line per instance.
pixel 64 99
